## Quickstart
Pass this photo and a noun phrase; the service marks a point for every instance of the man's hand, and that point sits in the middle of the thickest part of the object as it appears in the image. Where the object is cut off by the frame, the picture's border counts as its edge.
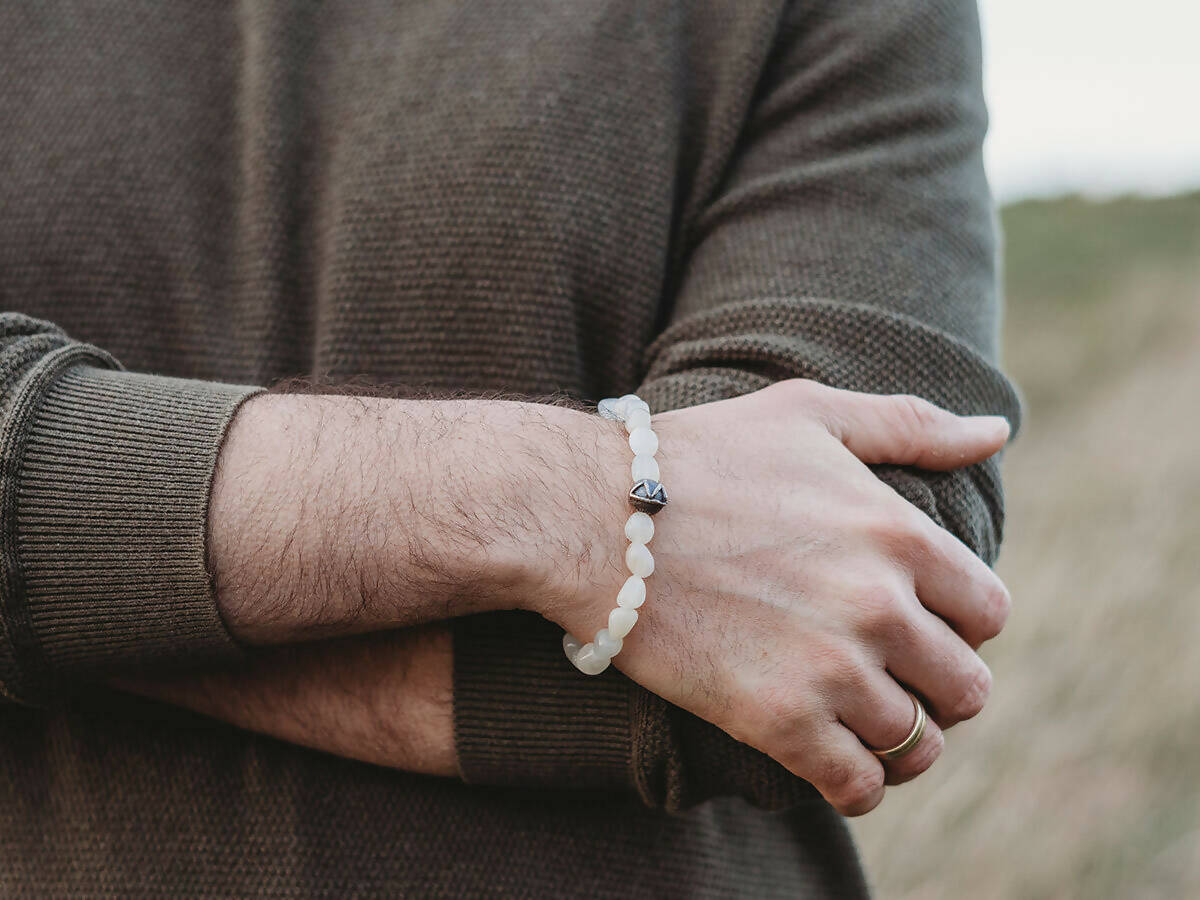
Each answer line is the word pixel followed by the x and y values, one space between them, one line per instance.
pixel 794 593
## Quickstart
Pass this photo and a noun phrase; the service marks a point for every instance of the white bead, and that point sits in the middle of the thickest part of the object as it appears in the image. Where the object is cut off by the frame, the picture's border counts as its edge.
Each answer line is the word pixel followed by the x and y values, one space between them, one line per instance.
pixel 645 466
pixel 593 658
pixel 611 408
pixel 608 644
pixel 639 560
pixel 639 528
pixel 643 440
pixel 637 418
pixel 571 645
pixel 633 401
pixel 621 622
pixel 632 593
pixel 589 661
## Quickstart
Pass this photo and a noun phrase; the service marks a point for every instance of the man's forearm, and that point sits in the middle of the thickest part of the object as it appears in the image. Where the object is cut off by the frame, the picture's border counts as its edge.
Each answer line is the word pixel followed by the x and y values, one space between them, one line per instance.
pixel 384 698
pixel 334 515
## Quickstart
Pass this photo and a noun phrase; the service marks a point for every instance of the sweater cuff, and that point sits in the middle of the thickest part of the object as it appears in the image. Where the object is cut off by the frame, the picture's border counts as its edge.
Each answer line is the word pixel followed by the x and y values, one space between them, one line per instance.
pixel 524 717
pixel 105 505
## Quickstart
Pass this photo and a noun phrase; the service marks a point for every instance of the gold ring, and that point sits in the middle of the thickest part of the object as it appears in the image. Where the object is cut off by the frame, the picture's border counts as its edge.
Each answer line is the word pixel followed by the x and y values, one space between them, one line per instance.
pixel 914 737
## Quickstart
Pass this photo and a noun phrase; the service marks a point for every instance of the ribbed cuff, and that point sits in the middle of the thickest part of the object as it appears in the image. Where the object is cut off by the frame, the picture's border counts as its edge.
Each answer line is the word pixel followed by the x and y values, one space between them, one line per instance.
pixel 107 508
pixel 525 717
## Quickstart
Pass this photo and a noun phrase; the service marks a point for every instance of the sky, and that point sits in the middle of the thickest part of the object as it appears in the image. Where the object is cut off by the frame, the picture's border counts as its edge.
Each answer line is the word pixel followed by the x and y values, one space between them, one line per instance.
pixel 1098 97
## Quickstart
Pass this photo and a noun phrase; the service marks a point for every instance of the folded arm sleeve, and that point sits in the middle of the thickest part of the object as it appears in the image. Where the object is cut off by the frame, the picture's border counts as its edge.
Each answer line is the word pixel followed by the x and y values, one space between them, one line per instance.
pixel 104 485
pixel 850 238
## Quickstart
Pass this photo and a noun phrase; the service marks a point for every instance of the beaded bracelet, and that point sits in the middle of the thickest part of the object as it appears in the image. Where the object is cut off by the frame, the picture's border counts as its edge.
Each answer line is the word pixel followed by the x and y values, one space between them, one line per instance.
pixel 647 497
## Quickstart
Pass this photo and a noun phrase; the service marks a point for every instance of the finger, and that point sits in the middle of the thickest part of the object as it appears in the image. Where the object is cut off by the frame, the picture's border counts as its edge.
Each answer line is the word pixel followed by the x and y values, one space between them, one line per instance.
pixel 837 764
pixel 950 580
pixel 881 713
pixel 923 652
pixel 909 431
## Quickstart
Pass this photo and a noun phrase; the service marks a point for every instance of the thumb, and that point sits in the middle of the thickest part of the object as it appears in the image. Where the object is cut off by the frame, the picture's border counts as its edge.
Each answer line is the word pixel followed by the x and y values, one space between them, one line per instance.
pixel 910 431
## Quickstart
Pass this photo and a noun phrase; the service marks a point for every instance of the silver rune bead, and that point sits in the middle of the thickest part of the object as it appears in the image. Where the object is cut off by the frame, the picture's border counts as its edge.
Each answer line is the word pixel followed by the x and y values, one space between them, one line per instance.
pixel 648 496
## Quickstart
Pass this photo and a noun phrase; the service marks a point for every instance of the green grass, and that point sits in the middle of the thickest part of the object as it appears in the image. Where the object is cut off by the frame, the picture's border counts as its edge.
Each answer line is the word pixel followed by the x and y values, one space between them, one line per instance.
pixel 1071 251
pixel 1092 289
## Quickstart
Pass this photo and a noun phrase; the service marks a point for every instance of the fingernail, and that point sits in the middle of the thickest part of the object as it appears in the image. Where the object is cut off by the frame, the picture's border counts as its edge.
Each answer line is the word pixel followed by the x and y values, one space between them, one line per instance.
pixel 996 424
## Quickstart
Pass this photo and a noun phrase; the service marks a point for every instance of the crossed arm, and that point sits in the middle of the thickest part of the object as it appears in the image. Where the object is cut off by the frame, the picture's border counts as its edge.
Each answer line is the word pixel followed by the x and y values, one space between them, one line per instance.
pixel 783 622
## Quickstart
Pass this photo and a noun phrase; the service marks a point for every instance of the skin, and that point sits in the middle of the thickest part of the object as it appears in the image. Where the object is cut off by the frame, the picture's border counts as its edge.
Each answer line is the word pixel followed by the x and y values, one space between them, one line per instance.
pixel 790 616
pixel 384 698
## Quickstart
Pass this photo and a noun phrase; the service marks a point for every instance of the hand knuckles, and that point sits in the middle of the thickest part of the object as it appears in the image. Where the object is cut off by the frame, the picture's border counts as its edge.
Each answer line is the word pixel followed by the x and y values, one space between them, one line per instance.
pixel 904 634
pixel 927 752
pixel 920 760
pixel 857 790
pixel 838 774
pixel 924 538
pixel 974 695
pixel 903 530
pixel 897 724
pixel 837 665
pixel 933 745
pixel 849 673
pixel 881 608
pixel 996 608
pixel 782 709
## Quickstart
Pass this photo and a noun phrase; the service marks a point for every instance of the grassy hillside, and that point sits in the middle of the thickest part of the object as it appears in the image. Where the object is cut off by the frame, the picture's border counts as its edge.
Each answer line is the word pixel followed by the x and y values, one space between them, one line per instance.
pixel 1082 778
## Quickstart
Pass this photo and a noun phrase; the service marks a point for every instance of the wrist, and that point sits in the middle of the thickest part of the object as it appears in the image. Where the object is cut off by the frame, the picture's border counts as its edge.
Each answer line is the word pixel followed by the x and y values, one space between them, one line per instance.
pixel 521 481
pixel 566 480
pixel 589 538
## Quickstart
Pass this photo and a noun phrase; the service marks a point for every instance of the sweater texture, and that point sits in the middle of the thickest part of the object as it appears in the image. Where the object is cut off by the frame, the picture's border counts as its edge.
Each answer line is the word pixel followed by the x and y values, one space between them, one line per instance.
pixel 688 199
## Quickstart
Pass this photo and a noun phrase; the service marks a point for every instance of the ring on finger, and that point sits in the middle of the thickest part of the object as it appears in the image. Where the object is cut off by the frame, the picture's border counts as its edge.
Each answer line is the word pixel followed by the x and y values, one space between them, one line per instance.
pixel 914 737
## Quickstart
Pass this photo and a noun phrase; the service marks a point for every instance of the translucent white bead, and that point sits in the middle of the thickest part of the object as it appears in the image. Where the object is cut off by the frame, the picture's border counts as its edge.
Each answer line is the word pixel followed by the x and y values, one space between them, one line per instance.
pixel 632 593
pixel 643 440
pixel 639 528
pixel 611 408
pixel 590 661
pixel 639 560
pixel 633 401
pixel 637 418
pixel 608 644
pixel 645 466
pixel 593 658
pixel 621 622
pixel 571 645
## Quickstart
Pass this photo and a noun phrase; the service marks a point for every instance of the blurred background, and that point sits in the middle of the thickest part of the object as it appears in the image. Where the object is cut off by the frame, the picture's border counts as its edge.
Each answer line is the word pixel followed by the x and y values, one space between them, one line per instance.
pixel 1082 777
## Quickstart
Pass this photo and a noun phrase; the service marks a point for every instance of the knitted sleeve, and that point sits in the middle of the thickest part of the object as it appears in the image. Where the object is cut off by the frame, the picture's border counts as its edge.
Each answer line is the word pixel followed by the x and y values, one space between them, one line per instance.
pixel 104 481
pixel 850 238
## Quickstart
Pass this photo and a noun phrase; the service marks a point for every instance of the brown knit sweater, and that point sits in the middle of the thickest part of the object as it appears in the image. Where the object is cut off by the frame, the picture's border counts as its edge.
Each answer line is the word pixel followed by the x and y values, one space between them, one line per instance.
pixel 686 199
